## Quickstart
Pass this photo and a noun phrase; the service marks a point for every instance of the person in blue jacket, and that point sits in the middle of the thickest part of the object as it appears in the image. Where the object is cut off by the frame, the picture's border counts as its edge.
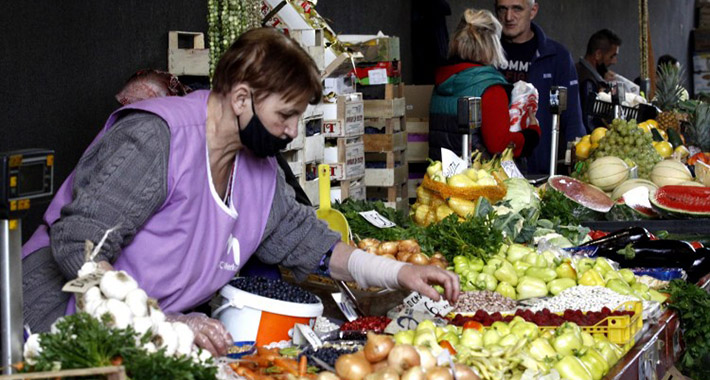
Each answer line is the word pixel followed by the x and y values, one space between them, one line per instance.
pixel 543 62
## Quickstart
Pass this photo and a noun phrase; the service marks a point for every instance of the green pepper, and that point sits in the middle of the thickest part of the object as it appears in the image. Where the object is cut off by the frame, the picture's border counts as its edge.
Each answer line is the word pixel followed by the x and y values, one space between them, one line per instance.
pixel 603 265
pixel 587 339
pixel 517 252
pixel 490 337
pixel 567 343
pixel 570 327
pixel 640 287
pixel 404 337
pixel 530 287
pixel 476 264
pixel 591 278
pixel 619 286
pixel 434 168
pixel 535 259
pixel 550 257
pixel 545 274
pixel 584 265
pixel 485 281
pixel 612 275
pixel 471 275
pixel 608 352
pixel 509 340
pixel 540 349
pixel 461 267
pixel 506 290
pixel 439 177
pixel 471 338
pixel 506 273
pixel 460 260
pixel 503 250
pixel 451 338
pixel 502 328
pixel 595 362
pixel 657 296
pixel 565 270
pixel 628 276
pixel 521 267
pixel 527 330
pixel 571 368
pixel 489 269
pixel 558 285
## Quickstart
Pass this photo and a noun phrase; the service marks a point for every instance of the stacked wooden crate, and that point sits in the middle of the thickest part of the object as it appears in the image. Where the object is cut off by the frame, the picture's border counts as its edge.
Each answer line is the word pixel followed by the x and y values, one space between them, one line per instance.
pixel 379 79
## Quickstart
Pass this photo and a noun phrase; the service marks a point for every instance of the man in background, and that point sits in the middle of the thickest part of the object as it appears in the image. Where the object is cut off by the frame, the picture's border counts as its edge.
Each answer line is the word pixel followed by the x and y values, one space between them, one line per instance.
pixel 593 70
pixel 534 58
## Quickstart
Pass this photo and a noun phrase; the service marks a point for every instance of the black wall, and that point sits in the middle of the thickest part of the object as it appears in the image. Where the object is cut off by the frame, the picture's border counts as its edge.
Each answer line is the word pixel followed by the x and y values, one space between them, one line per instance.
pixel 61 62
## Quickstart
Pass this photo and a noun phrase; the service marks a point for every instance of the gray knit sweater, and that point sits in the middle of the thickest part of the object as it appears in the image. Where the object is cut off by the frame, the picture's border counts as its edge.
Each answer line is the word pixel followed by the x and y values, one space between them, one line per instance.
pixel 122 180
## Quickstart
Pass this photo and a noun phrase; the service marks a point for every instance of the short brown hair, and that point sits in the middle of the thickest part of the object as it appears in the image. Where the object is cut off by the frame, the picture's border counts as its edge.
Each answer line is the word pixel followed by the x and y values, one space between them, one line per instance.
pixel 270 63
pixel 477 39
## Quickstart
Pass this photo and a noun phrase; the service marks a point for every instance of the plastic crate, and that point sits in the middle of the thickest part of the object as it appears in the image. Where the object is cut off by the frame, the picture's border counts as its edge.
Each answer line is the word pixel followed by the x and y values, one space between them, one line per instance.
pixel 618 329
pixel 605 111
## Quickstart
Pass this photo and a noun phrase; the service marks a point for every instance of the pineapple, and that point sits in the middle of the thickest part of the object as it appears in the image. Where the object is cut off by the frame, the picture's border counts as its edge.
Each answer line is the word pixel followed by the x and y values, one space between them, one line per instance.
pixel 669 93
pixel 699 130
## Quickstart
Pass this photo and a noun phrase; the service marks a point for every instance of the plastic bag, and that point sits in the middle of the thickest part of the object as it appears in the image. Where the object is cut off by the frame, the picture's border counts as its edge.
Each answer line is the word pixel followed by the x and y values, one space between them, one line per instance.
pixel 523 106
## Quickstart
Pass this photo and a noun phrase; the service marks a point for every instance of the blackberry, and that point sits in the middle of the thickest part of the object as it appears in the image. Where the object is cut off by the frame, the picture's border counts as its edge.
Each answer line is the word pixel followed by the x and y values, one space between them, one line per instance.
pixel 274 289
pixel 329 354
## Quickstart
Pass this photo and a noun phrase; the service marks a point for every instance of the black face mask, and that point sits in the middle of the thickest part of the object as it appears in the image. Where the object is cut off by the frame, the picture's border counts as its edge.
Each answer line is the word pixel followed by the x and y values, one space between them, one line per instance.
pixel 258 139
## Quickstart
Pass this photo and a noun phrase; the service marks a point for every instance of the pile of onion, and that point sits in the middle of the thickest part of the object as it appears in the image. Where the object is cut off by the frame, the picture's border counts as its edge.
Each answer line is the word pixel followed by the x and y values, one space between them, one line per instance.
pixel 381 359
pixel 407 251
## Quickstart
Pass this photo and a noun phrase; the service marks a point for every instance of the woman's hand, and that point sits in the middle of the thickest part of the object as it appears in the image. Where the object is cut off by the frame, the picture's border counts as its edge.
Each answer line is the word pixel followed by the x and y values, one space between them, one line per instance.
pixel 210 334
pixel 420 277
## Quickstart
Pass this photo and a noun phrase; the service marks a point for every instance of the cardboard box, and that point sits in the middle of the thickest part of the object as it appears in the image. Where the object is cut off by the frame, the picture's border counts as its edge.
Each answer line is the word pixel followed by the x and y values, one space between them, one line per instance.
pixel 701 40
pixel 418 98
pixel 354 168
pixel 345 117
pixel 341 85
pixel 379 73
pixel 373 48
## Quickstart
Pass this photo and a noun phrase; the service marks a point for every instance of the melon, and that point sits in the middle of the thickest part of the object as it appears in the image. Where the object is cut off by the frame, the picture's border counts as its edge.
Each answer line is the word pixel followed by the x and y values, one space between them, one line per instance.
pixel 630 184
pixel 683 200
pixel 608 172
pixel 581 193
pixel 670 172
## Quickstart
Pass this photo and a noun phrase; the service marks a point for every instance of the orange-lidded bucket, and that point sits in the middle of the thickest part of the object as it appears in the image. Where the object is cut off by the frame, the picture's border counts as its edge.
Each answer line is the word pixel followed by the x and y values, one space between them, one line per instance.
pixel 250 317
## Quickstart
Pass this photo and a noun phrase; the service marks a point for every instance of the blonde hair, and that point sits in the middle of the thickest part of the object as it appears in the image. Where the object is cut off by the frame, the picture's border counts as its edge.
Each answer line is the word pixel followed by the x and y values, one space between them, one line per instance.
pixel 477 39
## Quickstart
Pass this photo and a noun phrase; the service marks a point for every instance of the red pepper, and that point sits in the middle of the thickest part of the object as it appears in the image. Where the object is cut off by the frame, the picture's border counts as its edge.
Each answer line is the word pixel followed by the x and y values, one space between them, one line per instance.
pixel 696 244
pixel 473 325
pixel 597 234
pixel 702 156
pixel 447 346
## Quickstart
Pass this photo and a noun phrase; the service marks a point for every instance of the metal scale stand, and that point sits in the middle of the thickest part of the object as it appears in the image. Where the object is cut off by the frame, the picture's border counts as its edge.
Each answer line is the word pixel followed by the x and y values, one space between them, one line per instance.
pixel 469 119
pixel 25 176
pixel 558 104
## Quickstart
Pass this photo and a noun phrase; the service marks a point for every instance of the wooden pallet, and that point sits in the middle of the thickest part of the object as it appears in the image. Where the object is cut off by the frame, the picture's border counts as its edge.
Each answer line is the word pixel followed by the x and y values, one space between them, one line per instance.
pixel 111 373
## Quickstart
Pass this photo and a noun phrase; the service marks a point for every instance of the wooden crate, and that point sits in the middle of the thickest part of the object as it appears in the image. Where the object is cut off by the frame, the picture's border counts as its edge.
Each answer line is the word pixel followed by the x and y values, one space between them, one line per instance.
pixel 384 108
pixel 386 177
pixel 194 60
pixel 385 142
pixel 349 189
pixel 390 125
pixel 381 91
pixel 417 140
pixel 111 373
pixel 345 148
pixel 343 118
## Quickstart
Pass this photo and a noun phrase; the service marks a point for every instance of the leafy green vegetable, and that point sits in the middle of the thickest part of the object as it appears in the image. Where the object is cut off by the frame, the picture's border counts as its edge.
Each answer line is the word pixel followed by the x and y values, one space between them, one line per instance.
pixel 81 341
pixel 521 194
pixel 362 229
pixel 693 306
pixel 563 211
pixel 474 237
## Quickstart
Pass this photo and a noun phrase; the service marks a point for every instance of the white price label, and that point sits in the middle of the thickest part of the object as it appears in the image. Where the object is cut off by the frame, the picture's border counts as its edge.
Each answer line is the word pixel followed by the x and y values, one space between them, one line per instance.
pixel 376 219
pixel 377 76
pixel 84 283
pixel 511 169
pixel 303 333
pixel 451 163
pixel 407 319
pixel 345 306
pixel 425 304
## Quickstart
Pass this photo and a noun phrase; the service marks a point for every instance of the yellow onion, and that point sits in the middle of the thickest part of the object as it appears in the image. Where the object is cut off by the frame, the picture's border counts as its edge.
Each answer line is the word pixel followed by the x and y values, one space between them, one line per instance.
pixel 377 347
pixel 414 373
pixel 439 256
pixel 409 245
pixel 388 247
pixel 438 263
pixel 369 242
pixel 385 373
pixel 464 372
pixel 403 357
pixel 352 367
pixel 439 373
pixel 418 259
pixel 403 256
pixel 389 257
pixel 372 250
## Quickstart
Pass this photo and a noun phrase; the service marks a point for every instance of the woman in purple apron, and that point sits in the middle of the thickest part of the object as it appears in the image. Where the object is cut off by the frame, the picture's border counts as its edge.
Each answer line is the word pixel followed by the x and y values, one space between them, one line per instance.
pixel 192 189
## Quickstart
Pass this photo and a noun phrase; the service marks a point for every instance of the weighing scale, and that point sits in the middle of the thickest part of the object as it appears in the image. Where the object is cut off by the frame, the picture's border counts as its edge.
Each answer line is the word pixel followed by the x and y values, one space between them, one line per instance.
pixel 25 176
pixel 468 109
pixel 558 104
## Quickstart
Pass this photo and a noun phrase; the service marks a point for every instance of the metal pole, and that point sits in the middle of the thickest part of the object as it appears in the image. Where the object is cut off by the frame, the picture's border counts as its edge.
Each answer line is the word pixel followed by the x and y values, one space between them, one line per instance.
pixel 469 119
pixel 558 104
pixel 10 293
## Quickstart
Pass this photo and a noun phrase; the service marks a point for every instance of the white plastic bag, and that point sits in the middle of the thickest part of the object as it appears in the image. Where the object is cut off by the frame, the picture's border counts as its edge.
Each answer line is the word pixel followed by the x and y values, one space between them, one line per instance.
pixel 523 106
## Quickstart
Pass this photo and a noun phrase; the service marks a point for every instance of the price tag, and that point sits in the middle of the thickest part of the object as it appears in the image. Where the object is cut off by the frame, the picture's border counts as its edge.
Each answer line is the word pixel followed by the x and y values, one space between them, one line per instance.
pixel 511 169
pixel 376 219
pixel 377 76
pixel 425 304
pixel 84 283
pixel 407 319
pixel 451 163
pixel 303 333
pixel 345 306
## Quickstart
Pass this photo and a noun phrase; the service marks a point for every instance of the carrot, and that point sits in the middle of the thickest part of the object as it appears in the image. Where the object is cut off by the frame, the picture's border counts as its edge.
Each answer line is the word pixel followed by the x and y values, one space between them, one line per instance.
pixel 267 353
pixel 302 366
pixel 288 365
pixel 246 372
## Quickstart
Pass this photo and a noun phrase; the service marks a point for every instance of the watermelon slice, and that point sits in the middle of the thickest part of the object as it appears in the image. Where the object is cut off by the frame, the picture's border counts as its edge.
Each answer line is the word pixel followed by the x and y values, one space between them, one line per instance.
pixel 581 193
pixel 688 201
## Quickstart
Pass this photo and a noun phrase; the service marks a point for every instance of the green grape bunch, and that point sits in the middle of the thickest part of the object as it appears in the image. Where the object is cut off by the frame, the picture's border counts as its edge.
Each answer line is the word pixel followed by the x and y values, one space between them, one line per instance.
pixel 628 142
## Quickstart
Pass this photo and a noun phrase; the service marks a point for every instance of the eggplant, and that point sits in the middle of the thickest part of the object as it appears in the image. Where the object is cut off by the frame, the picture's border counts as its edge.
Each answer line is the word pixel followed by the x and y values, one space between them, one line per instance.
pixel 619 239
pixel 656 254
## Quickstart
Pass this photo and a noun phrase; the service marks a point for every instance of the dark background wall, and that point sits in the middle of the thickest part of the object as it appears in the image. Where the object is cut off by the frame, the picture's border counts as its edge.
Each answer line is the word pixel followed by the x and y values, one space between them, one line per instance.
pixel 62 62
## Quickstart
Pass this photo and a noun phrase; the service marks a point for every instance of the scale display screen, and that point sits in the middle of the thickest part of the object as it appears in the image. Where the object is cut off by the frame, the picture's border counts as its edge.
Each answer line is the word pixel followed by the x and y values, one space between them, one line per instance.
pixel 24 175
pixel 30 179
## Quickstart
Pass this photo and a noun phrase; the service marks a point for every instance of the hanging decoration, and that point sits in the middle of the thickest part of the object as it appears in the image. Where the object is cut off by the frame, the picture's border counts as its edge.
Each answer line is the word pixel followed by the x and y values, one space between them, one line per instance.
pixel 227 20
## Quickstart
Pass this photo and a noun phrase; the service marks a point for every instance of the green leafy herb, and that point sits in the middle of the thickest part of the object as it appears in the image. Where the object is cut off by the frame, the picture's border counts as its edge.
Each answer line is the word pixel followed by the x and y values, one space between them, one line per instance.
pixel 557 207
pixel 473 237
pixel 693 306
pixel 362 229
pixel 81 341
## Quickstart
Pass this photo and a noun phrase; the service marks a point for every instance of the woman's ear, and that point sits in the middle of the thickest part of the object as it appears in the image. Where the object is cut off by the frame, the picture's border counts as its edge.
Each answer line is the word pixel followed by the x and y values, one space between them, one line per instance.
pixel 239 98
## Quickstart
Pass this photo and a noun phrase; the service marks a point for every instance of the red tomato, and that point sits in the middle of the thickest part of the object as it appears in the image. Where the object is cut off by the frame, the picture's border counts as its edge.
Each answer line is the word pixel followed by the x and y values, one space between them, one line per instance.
pixel 696 244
